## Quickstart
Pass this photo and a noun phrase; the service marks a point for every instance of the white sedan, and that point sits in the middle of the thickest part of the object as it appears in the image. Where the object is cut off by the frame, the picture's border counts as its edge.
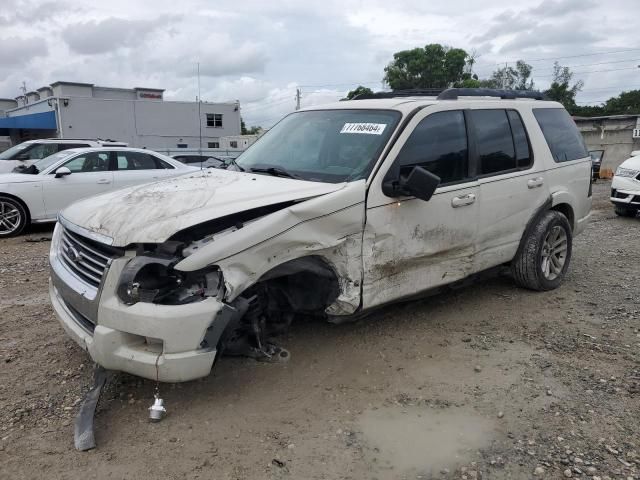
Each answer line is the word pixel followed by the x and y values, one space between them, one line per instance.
pixel 625 187
pixel 37 193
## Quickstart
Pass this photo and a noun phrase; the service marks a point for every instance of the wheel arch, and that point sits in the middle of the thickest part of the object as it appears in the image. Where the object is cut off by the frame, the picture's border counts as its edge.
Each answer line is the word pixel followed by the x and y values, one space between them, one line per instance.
pixel 562 207
pixel 315 282
pixel 567 210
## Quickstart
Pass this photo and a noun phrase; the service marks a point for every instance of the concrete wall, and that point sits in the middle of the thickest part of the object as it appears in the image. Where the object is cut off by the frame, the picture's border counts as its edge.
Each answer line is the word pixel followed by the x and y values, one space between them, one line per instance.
pixel 114 93
pixel 144 123
pixel 614 136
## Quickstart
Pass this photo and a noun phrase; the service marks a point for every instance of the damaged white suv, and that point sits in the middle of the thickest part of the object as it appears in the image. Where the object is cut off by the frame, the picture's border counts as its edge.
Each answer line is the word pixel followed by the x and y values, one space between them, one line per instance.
pixel 335 211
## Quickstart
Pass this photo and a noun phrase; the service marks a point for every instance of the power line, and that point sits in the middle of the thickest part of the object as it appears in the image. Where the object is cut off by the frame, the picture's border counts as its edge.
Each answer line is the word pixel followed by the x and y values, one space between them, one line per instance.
pixel 262 106
pixel 600 63
pixel 567 56
pixel 592 71
pixel 376 82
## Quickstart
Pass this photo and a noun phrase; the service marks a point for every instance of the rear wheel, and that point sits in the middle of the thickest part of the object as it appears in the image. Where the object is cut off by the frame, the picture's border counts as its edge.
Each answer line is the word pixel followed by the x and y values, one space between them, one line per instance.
pixel 625 211
pixel 13 217
pixel 542 262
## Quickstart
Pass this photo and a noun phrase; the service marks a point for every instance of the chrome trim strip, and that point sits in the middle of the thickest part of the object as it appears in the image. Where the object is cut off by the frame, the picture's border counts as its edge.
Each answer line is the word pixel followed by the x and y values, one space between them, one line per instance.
pixel 98 237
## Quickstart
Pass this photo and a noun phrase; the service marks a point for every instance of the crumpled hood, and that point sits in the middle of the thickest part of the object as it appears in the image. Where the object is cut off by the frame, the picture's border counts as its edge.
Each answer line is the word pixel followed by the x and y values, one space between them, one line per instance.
pixel 19 178
pixel 152 213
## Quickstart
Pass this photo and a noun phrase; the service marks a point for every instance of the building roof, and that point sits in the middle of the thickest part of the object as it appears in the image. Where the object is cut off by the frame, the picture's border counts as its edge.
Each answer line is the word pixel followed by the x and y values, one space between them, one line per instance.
pixel 78 84
pixel 608 117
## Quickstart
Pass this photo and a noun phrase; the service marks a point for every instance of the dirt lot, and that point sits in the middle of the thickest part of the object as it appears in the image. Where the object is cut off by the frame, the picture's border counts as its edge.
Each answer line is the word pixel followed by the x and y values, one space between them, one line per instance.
pixel 489 381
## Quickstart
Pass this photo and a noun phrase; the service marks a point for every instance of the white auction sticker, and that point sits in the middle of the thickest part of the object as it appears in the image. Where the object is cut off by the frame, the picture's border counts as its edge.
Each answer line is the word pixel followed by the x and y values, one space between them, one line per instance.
pixel 366 128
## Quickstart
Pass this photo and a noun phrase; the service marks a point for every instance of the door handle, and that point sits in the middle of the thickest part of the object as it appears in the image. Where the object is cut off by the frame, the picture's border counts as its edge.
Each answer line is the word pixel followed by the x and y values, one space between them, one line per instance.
pixel 463 200
pixel 535 182
pixel 103 181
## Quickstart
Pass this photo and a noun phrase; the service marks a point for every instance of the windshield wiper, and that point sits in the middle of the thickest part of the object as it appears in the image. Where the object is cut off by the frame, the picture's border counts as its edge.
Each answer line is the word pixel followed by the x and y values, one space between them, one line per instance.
pixel 275 171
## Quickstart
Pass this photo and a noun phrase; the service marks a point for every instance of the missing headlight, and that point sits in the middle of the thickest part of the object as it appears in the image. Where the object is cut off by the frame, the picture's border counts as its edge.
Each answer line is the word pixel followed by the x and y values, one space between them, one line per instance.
pixel 153 280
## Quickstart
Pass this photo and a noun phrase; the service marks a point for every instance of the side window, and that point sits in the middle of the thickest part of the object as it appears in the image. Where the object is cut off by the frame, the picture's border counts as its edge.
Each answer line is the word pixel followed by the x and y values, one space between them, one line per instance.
pixel 89 162
pixel 561 134
pixel 524 159
pixel 162 164
pixel 438 144
pixel 139 161
pixel 496 152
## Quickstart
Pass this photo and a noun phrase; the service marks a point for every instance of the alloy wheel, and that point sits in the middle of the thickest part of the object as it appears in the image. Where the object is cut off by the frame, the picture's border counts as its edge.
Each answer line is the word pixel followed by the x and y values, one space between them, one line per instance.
pixel 554 253
pixel 10 218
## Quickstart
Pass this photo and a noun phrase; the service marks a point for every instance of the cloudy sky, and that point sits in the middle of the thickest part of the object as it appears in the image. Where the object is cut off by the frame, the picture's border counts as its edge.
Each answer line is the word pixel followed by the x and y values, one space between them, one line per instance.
pixel 260 51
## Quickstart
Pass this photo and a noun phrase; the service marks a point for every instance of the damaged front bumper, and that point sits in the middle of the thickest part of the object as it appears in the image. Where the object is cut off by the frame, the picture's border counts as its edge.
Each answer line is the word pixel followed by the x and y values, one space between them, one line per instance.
pixel 170 343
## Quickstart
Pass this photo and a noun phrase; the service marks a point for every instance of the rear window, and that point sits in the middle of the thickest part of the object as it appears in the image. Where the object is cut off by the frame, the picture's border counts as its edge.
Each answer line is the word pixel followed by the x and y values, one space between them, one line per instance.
pixel 561 134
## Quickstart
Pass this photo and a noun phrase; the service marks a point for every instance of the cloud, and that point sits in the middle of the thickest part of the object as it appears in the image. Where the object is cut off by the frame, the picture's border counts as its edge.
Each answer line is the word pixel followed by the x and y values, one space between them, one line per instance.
pixel 551 8
pixel 551 35
pixel 94 37
pixel 16 51
pixel 260 52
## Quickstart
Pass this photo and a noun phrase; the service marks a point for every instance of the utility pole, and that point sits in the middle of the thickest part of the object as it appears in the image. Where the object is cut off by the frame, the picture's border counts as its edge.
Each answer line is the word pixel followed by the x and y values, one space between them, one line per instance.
pixel 199 114
pixel 298 95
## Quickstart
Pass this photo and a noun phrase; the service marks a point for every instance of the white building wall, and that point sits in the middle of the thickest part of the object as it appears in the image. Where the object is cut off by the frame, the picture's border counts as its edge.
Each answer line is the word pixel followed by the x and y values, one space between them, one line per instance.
pixel 144 123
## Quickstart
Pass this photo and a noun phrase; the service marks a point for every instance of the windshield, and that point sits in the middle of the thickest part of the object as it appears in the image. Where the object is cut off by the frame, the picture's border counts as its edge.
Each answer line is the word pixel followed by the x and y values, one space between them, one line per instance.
pixel 13 151
pixel 324 146
pixel 44 163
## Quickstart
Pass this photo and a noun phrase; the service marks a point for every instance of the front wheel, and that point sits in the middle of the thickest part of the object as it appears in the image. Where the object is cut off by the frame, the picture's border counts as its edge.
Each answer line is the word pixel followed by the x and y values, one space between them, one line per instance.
pixel 625 211
pixel 543 259
pixel 13 217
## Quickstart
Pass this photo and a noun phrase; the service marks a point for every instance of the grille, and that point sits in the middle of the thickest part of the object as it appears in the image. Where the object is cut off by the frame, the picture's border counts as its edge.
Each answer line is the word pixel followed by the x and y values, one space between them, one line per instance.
pixel 82 320
pixel 89 260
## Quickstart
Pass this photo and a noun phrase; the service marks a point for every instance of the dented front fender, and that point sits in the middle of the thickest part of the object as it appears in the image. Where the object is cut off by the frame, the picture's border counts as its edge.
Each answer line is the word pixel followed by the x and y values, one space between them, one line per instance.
pixel 329 226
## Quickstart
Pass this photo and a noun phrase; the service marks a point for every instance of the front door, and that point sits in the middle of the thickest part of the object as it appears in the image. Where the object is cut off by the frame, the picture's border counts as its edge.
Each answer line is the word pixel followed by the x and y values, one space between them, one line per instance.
pixel 411 245
pixel 90 175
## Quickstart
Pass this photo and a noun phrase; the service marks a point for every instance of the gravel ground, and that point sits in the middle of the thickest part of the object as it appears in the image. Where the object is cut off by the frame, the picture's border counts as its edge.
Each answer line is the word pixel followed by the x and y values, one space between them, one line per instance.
pixel 488 381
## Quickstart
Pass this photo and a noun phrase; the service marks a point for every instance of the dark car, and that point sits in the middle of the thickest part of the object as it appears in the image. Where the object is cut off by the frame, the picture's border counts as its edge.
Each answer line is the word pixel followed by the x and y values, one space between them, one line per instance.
pixel 596 162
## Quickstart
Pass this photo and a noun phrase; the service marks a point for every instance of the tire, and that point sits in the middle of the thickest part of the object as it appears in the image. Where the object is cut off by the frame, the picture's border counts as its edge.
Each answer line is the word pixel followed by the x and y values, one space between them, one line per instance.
pixel 625 211
pixel 13 217
pixel 543 259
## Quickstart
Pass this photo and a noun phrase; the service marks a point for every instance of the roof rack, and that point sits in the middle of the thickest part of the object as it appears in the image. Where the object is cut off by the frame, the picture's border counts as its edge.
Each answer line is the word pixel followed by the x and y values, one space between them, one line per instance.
pixel 413 92
pixel 454 93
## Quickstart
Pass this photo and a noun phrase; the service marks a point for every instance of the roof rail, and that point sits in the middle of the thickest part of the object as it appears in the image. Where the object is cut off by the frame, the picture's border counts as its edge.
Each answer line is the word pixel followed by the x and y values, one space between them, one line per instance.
pixel 454 93
pixel 413 92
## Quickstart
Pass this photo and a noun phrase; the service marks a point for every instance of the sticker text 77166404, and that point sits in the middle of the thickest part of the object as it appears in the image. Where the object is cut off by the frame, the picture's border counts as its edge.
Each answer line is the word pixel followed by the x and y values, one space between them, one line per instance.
pixel 366 128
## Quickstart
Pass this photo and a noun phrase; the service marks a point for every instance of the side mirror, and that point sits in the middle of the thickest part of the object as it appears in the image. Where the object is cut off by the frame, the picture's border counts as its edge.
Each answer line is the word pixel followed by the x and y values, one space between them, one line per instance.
pixel 420 183
pixel 62 172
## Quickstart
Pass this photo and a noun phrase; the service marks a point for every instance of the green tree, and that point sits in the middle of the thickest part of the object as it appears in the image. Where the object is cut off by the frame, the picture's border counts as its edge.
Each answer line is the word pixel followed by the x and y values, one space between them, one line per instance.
pixel 359 90
pixel 434 66
pixel 626 102
pixel 248 131
pixel 512 78
pixel 561 89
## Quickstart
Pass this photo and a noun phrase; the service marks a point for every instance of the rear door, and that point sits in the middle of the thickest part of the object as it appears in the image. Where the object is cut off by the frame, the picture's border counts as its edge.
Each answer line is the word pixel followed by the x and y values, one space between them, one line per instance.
pixel 133 168
pixel 512 184
pixel 90 175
